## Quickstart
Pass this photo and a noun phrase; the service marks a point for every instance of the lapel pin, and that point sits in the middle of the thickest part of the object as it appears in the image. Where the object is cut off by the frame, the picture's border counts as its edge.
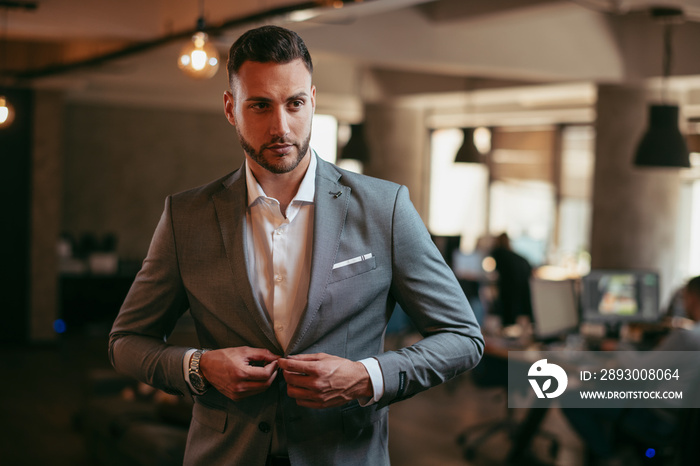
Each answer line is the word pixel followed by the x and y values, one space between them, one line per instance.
pixel 335 195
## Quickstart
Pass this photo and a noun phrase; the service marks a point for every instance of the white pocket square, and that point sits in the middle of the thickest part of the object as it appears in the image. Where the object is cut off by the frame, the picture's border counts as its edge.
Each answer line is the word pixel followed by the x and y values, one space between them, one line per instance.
pixel 363 257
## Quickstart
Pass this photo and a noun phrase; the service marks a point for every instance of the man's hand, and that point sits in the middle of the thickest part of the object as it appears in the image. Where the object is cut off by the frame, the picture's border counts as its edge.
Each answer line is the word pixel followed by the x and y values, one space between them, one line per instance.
pixel 324 381
pixel 239 372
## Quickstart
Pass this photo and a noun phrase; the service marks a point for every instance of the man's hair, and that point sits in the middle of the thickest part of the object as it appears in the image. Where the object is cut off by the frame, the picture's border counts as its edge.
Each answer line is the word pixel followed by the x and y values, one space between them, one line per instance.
pixel 693 286
pixel 267 44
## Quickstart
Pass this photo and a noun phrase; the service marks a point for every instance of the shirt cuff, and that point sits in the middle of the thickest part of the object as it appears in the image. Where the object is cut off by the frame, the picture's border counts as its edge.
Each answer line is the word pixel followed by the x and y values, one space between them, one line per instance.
pixel 186 368
pixel 377 379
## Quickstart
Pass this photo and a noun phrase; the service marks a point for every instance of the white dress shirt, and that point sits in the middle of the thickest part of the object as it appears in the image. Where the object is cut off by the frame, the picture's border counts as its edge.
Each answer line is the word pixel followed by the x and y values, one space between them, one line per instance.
pixel 279 251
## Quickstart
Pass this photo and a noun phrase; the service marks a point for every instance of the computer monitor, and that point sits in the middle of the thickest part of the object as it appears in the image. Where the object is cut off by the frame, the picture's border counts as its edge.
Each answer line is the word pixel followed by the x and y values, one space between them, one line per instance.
pixel 555 309
pixel 447 245
pixel 469 266
pixel 615 297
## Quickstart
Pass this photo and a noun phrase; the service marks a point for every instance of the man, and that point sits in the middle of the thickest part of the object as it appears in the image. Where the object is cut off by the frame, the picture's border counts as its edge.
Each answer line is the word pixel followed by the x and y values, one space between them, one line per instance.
pixel 514 272
pixel 599 427
pixel 687 339
pixel 290 268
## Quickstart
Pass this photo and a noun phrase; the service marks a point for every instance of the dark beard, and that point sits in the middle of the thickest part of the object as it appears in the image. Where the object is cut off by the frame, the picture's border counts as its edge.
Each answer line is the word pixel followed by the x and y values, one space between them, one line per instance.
pixel 283 166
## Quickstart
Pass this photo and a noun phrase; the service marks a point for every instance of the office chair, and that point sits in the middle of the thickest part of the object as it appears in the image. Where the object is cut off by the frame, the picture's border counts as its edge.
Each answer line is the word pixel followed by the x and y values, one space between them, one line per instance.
pixel 471 438
pixel 492 372
pixel 678 447
pixel 687 449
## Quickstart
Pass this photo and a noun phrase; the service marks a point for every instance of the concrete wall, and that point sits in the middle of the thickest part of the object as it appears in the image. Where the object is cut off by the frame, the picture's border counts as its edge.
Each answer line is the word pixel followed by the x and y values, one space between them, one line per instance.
pixel 47 186
pixel 398 144
pixel 121 163
pixel 635 210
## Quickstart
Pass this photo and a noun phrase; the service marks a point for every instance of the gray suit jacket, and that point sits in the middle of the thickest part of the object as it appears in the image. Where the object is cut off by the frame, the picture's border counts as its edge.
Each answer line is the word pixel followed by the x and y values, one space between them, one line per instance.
pixel 197 261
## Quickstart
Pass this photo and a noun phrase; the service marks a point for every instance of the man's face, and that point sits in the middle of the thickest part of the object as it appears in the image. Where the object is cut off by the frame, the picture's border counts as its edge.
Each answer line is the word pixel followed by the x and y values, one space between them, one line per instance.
pixel 691 303
pixel 271 106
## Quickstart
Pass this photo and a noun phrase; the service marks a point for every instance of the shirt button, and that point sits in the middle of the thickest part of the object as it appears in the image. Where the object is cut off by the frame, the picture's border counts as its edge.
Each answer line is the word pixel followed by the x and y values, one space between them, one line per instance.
pixel 279 231
pixel 264 427
pixel 278 278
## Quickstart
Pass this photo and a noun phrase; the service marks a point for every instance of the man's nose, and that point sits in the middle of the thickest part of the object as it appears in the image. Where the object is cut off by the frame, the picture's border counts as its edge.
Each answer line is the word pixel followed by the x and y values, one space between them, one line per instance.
pixel 280 125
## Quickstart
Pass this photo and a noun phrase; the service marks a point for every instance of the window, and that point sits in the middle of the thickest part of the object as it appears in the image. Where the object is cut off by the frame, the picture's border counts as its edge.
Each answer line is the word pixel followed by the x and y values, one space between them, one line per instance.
pixel 575 211
pixel 694 253
pixel 458 191
pixel 535 186
pixel 324 136
pixel 523 196
pixel 688 250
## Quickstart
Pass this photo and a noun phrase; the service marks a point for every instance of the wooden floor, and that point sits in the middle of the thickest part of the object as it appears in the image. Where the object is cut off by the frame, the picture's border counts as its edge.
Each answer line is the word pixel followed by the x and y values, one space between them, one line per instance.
pixel 43 387
pixel 424 429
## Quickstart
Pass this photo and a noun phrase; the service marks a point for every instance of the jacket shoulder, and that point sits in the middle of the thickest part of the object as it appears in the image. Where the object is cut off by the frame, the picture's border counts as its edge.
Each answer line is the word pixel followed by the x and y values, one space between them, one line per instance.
pixel 366 185
pixel 204 192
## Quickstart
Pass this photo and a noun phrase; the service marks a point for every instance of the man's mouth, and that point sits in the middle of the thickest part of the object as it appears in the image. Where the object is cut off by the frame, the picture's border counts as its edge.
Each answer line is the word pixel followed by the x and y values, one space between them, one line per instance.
pixel 280 149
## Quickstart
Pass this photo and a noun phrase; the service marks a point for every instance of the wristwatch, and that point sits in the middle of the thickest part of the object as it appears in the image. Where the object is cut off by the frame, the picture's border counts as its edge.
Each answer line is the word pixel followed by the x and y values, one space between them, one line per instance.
pixel 199 383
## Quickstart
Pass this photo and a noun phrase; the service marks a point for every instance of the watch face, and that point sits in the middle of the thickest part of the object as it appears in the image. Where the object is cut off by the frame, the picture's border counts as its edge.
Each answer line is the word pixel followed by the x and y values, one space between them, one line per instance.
pixel 197 382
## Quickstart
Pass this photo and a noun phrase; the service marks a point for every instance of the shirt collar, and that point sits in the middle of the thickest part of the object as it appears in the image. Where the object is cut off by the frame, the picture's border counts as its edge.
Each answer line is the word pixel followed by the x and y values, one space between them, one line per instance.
pixel 305 193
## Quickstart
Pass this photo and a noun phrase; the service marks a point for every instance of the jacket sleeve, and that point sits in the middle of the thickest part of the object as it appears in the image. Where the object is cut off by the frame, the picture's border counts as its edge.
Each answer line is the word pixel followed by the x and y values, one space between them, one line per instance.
pixel 156 300
pixel 428 291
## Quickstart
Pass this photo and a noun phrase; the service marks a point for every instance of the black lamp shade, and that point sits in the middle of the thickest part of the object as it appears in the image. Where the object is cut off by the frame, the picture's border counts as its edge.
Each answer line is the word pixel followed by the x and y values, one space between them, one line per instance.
pixel 468 153
pixel 356 148
pixel 663 145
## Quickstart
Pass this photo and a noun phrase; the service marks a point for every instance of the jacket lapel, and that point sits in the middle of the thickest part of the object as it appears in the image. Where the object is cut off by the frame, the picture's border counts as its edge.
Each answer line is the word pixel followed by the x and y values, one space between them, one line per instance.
pixel 331 206
pixel 230 204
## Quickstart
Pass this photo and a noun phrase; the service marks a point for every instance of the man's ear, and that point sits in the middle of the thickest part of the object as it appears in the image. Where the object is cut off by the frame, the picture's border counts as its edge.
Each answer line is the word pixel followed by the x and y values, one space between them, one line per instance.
pixel 313 98
pixel 230 107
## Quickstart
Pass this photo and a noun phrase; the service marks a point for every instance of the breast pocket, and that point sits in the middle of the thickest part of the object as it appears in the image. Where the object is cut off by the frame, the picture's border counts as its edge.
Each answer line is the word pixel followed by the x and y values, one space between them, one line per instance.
pixel 352 267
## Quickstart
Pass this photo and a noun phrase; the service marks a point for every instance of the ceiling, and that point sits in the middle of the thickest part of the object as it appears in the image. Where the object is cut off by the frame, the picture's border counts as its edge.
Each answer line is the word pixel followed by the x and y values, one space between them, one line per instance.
pixel 367 50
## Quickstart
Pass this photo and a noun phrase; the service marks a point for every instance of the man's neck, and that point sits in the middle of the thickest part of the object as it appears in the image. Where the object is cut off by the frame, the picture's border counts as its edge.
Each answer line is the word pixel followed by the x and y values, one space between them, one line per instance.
pixel 281 186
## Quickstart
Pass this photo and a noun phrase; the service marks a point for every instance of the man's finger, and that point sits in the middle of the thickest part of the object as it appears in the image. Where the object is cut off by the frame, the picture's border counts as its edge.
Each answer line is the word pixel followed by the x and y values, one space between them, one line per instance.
pixel 297 380
pixel 272 377
pixel 260 354
pixel 260 374
pixel 257 386
pixel 306 357
pixel 301 393
pixel 311 404
pixel 294 365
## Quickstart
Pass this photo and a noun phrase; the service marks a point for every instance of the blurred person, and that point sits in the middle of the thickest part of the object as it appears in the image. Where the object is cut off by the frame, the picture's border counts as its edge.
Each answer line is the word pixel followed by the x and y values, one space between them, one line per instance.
pixel 598 427
pixel 514 272
pixel 290 268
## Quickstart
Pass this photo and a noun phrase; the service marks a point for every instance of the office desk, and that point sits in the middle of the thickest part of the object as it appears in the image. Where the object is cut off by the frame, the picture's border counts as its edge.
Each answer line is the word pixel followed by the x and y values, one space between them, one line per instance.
pixel 499 347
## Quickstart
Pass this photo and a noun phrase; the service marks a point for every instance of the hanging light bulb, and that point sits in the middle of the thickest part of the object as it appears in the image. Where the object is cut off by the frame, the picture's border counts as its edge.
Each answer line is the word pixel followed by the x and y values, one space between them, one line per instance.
pixel 7 113
pixel 199 58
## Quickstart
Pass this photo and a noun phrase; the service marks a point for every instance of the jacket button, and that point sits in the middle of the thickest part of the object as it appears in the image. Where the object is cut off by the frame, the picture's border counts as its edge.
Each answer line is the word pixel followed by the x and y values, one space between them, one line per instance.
pixel 264 427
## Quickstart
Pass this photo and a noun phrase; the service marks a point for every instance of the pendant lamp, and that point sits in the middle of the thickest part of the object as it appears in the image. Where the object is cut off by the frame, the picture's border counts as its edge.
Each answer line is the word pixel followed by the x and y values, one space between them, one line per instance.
pixel 468 153
pixel 663 145
pixel 199 59
pixel 356 148
pixel 7 112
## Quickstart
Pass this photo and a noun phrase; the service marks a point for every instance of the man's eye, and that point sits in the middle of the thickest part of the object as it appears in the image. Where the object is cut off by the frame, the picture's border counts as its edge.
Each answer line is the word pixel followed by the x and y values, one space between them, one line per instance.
pixel 297 103
pixel 259 106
